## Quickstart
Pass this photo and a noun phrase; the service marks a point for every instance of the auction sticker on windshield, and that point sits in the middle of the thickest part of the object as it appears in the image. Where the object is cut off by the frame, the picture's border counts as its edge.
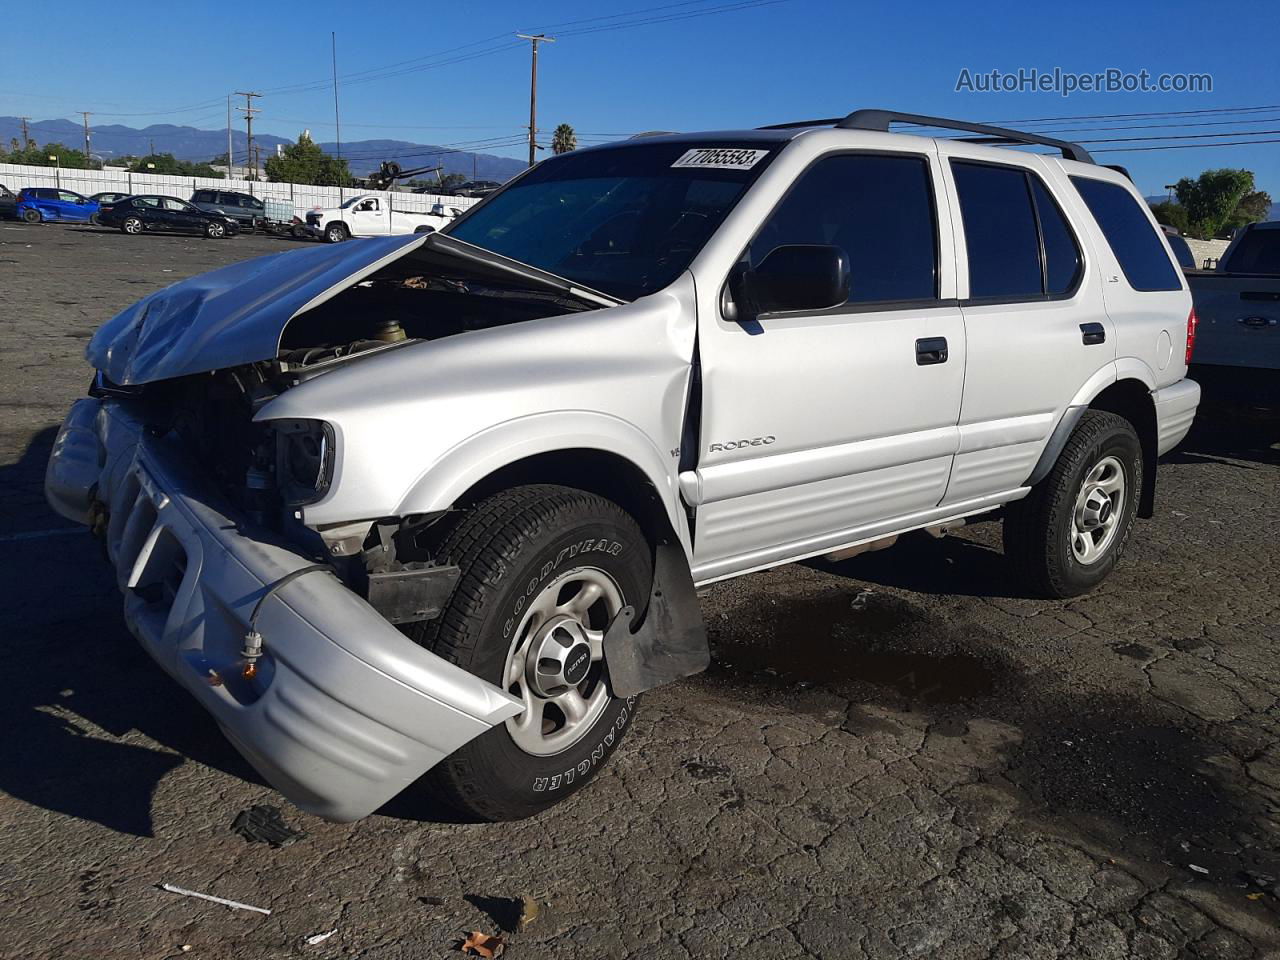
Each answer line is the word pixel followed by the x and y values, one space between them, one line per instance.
pixel 720 158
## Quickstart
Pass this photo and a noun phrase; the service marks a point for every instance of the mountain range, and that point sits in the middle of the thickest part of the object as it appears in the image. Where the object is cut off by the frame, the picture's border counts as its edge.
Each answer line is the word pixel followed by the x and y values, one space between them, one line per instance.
pixel 191 143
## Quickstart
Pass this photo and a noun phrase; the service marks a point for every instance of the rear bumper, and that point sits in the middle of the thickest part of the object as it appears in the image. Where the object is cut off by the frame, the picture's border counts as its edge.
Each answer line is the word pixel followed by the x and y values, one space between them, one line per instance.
pixel 1175 410
pixel 344 711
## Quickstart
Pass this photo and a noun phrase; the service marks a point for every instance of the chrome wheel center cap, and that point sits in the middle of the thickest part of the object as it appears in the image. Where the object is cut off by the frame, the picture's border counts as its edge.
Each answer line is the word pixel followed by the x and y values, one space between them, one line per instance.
pixel 1097 509
pixel 560 657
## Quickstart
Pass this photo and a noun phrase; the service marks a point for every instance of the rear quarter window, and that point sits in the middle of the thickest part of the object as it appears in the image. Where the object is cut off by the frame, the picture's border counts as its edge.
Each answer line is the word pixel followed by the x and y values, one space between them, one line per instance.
pixel 1132 237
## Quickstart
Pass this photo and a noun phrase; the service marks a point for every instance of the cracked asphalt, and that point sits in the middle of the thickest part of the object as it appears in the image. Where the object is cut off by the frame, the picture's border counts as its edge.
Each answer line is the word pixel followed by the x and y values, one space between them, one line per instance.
pixel 893 756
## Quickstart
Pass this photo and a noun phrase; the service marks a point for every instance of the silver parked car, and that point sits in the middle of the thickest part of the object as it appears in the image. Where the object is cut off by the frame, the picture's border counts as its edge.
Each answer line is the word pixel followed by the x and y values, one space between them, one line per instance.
pixel 441 502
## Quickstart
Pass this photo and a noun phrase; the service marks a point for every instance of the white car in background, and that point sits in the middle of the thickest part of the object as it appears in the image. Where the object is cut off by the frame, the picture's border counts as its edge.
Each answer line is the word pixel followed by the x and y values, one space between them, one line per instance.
pixel 373 216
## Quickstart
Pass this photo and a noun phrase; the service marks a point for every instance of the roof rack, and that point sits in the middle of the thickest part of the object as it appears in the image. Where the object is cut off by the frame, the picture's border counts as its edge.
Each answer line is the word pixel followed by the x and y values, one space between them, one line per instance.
pixel 881 119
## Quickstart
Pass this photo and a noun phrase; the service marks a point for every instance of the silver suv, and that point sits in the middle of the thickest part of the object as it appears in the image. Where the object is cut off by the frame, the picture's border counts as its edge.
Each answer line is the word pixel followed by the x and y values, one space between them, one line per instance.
pixel 441 502
pixel 244 209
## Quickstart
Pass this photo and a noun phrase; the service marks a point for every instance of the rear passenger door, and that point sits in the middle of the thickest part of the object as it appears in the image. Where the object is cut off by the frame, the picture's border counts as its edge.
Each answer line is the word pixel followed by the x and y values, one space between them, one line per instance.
pixel 1033 315
pixel 820 425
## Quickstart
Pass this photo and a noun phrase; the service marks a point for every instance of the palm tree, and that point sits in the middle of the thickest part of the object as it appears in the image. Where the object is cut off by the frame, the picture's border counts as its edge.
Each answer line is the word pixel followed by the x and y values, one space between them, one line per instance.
pixel 564 139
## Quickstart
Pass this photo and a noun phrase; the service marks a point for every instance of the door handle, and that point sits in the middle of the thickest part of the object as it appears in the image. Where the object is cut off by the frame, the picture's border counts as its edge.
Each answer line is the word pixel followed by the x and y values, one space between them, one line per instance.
pixel 931 350
pixel 1091 333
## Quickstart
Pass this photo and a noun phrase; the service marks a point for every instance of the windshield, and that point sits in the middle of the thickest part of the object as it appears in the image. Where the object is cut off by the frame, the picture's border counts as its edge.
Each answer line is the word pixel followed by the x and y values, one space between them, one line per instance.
pixel 626 221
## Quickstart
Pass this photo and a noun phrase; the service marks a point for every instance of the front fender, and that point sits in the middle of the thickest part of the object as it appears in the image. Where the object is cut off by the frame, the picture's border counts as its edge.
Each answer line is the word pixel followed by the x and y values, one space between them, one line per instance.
pixel 466 463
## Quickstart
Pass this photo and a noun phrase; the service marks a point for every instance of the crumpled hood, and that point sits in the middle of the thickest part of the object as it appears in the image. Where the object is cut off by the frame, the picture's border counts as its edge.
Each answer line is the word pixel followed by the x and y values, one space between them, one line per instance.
pixel 233 315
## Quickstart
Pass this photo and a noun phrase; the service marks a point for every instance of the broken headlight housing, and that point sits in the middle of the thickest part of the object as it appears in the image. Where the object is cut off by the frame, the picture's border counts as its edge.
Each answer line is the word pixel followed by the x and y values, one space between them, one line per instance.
pixel 304 460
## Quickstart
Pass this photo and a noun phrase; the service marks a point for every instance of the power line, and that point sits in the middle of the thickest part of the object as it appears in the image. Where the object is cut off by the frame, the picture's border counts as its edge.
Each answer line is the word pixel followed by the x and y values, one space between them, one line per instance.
pixel 1185 146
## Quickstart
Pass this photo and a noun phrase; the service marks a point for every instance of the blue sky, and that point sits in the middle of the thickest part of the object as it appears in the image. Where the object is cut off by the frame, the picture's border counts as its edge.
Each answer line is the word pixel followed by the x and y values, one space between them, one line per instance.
pixel 174 63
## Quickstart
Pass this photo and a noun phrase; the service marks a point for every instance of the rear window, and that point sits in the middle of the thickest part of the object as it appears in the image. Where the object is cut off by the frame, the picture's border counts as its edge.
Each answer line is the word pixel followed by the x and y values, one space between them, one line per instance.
pixel 205 196
pixel 999 231
pixel 1257 252
pixel 1132 238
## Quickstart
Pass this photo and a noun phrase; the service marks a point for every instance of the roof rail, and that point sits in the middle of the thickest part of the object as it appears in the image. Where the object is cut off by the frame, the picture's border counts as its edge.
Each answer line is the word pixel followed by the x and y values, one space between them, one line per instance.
pixel 881 119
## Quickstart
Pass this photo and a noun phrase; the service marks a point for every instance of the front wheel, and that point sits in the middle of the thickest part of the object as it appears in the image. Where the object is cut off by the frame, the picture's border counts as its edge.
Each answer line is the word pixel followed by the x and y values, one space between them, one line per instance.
pixel 544 571
pixel 336 232
pixel 215 230
pixel 1068 534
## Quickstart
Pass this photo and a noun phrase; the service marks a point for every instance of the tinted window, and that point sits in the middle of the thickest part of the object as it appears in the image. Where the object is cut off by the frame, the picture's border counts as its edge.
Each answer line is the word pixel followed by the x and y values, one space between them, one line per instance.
pixel 999 231
pixel 1061 253
pixel 1257 252
pixel 205 196
pixel 1182 250
pixel 1132 237
pixel 878 209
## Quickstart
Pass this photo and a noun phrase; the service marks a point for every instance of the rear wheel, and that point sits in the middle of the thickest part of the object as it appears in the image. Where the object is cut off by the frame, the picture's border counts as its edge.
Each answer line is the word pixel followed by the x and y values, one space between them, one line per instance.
pixel 131 225
pixel 93 219
pixel 1068 534
pixel 31 216
pixel 336 232
pixel 544 571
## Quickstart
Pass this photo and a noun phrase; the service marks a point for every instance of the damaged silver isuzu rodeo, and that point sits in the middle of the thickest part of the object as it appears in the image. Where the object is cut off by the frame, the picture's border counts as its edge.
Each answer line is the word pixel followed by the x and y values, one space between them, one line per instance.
pixel 440 504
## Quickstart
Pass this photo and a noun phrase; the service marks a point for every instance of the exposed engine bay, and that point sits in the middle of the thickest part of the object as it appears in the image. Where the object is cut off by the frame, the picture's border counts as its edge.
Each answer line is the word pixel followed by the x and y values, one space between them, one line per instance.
pixel 267 470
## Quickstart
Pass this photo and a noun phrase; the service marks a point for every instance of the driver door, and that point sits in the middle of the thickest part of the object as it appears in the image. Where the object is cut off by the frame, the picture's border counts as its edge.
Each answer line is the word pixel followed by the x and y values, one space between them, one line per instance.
pixel 369 219
pixel 824 427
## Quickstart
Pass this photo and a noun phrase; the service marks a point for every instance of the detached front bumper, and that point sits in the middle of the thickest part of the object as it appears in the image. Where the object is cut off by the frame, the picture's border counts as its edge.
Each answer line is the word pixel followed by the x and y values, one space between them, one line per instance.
pixel 344 711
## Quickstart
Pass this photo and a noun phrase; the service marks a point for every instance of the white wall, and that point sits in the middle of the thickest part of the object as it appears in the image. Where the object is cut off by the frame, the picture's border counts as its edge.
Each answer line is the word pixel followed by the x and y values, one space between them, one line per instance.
pixel 16 176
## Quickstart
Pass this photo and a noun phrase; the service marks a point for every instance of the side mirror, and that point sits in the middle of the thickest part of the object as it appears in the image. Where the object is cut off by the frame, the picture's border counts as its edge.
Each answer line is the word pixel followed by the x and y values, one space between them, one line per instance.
pixel 794 276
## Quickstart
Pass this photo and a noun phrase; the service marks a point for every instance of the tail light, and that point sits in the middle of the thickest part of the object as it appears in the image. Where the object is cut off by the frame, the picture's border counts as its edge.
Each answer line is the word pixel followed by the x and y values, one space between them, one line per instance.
pixel 1192 323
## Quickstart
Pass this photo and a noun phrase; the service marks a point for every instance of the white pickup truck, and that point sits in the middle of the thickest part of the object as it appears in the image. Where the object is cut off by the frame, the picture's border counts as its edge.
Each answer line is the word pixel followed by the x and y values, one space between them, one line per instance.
pixel 371 216
pixel 443 502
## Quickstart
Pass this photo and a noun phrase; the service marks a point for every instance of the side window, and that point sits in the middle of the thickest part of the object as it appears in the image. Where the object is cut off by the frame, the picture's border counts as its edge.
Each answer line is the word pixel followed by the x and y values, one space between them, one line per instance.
pixel 879 208
pixel 999 231
pixel 203 196
pixel 1133 239
pixel 67 197
pixel 1061 252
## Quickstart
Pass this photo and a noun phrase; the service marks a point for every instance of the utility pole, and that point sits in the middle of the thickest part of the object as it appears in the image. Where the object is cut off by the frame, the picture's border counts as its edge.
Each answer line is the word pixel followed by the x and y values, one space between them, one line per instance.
pixel 87 154
pixel 25 139
pixel 249 111
pixel 337 127
pixel 533 90
pixel 229 160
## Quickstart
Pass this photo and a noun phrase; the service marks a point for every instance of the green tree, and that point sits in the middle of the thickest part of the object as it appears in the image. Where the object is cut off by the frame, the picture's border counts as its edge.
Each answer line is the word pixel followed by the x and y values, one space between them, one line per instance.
pixel 35 156
pixel 305 162
pixel 564 139
pixel 1252 207
pixel 1170 213
pixel 1212 198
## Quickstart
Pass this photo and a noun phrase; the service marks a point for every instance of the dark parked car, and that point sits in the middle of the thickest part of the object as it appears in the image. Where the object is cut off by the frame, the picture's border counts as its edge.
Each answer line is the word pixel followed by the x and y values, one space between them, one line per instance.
pixel 164 214
pixel 1181 249
pixel 8 203
pixel 49 203
pixel 241 207
pixel 108 197
pixel 473 188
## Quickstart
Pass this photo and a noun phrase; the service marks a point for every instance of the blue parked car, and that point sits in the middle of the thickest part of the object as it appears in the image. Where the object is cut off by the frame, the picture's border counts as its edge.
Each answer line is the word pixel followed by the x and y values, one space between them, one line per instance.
pixel 47 203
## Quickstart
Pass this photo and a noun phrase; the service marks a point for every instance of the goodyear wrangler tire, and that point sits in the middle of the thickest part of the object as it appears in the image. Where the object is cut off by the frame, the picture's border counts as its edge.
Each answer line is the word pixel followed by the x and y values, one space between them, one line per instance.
pixel 544 570
pixel 1067 535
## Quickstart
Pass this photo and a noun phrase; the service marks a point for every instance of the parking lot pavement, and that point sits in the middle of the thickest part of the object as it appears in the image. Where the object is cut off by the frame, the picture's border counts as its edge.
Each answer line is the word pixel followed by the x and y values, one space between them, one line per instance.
pixel 894 756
